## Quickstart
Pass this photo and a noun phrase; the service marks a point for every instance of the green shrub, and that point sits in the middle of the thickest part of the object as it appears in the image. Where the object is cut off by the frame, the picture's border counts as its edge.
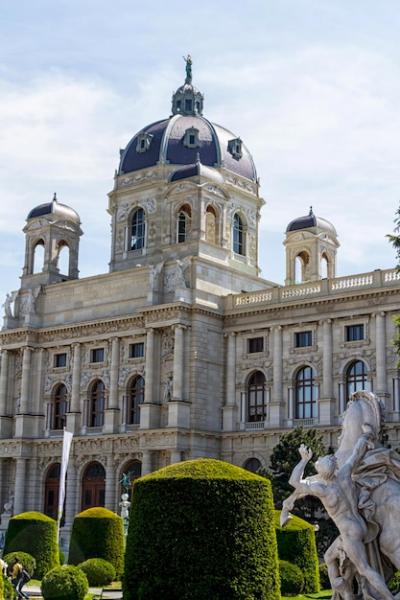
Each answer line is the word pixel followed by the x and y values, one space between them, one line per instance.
pixel 61 557
pixel 27 560
pixel 97 533
pixel 201 529
pixel 65 583
pixel 9 591
pixel 394 583
pixel 324 577
pixel 292 579
pixel 36 534
pixel 296 544
pixel 98 571
pixel 1 587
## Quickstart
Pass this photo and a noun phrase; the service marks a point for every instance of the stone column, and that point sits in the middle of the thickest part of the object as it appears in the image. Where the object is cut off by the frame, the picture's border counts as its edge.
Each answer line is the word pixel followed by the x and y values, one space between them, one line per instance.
pixel 146 462
pixel 150 409
pixel 110 484
pixel 178 363
pixel 276 410
pixel 39 375
pixel 326 403
pixel 70 497
pixel 175 456
pixel 25 380
pixel 230 408
pixel 73 417
pixel 3 382
pixel 19 486
pixel 111 417
pixel 380 334
pixel 149 367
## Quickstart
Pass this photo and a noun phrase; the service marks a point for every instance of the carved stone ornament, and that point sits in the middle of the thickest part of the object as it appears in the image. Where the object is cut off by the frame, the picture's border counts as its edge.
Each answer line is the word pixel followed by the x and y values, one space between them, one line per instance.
pixel 359 487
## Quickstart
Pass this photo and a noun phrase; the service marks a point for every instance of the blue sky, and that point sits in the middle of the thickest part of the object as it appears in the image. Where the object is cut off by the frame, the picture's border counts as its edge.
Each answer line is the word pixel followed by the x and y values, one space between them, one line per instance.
pixel 312 87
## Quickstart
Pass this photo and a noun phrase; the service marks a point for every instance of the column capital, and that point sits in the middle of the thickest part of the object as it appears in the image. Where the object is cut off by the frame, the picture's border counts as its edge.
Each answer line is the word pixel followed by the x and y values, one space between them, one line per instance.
pixel 75 345
pixel 180 326
pixel 276 328
pixel 230 334
pixel 325 321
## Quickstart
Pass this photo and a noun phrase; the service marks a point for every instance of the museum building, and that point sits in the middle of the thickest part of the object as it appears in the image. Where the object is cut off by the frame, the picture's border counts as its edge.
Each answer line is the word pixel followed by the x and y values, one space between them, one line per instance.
pixel 181 350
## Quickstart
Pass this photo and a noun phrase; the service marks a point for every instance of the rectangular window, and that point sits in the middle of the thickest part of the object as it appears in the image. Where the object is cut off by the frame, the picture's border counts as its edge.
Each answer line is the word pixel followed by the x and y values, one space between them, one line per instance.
pixel 354 333
pixel 303 339
pixel 60 360
pixel 97 355
pixel 136 350
pixel 188 105
pixel 255 345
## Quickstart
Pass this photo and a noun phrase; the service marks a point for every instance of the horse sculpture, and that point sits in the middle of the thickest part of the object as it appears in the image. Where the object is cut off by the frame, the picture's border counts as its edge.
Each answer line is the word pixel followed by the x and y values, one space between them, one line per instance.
pixel 375 485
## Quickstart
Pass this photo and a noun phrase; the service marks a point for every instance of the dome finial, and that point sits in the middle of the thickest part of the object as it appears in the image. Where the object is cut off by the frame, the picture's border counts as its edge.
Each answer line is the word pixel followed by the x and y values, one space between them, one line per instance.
pixel 311 211
pixel 55 197
pixel 189 62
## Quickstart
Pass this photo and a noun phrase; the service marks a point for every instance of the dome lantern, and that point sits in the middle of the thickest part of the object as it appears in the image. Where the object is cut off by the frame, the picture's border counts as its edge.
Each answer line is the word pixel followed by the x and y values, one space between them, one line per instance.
pixel 187 100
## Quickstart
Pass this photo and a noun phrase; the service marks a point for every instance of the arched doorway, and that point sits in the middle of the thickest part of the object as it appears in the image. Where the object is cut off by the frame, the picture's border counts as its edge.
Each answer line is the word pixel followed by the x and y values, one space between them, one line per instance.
pixel 51 492
pixel 252 464
pixel 93 486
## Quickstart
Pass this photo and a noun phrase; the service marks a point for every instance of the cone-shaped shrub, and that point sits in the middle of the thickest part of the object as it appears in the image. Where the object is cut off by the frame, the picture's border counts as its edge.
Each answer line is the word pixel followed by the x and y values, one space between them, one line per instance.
pixel 296 544
pixel 201 529
pixel 36 534
pixel 97 533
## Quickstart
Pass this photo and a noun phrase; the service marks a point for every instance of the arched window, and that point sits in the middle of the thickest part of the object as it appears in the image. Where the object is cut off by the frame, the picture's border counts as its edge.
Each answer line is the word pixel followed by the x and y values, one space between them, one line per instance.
pixel 38 257
pixel 59 407
pixel 93 486
pixel 138 230
pixel 51 488
pixel 96 404
pixel 183 223
pixel 135 397
pixel 256 404
pixel 300 267
pixel 306 394
pixel 356 378
pixel 63 258
pixel 324 270
pixel 211 225
pixel 253 465
pixel 238 235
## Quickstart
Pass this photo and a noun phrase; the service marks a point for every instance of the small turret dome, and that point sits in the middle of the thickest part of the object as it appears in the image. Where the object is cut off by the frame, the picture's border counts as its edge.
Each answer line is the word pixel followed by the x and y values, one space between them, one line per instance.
pixel 55 208
pixel 310 220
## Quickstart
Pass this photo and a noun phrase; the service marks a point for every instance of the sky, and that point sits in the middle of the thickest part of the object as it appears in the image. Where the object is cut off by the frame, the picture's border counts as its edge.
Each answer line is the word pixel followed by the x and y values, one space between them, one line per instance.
pixel 311 86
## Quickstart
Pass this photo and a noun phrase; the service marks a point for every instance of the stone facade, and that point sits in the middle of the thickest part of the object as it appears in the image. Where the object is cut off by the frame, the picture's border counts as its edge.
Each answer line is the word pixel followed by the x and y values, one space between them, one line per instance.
pixel 190 319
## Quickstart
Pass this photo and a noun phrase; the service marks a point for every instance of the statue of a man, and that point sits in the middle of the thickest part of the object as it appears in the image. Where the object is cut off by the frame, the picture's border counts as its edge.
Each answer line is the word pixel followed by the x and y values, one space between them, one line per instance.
pixel 7 305
pixel 189 62
pixel 336 490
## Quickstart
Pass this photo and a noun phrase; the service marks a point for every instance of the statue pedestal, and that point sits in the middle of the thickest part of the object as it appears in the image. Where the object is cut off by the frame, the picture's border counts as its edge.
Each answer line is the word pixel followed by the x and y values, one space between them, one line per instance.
pixel 229 418
pixel 178 414
pixel 111 421
pixel 149 415
pixel 74 422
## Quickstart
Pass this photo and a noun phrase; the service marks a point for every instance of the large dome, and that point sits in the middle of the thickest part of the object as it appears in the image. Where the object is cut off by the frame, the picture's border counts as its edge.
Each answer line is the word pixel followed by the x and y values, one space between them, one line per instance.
pixel 180 138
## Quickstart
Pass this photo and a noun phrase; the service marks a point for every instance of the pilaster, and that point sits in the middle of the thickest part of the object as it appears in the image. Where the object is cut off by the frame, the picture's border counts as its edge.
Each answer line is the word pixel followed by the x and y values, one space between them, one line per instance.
pixel 230 411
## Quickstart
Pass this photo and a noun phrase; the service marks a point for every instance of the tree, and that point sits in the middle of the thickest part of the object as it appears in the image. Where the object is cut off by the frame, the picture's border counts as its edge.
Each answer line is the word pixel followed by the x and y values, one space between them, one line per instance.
pixel 284 458
pixel 394 239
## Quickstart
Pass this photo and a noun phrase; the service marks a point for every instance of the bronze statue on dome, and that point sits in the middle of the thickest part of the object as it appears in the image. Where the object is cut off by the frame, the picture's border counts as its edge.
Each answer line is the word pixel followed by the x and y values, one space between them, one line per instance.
pixel 189 62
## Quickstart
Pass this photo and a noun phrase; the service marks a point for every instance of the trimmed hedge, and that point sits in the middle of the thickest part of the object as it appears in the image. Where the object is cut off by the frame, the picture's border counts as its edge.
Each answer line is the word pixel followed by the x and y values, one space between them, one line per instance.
pixel 9 591
pixel 65 583
pixel 201 529
pixel 99 572
pixel 36 534
pixel 296 544
pixel 27 560
pixel 394 583
pixel 97 533
pixel 292 579
pixel 1 587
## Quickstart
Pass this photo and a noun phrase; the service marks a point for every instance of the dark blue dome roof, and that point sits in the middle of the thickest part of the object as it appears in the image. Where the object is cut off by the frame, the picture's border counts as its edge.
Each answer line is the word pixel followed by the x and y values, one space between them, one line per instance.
pixel 310 220
pixel 54 208
pixel 165 141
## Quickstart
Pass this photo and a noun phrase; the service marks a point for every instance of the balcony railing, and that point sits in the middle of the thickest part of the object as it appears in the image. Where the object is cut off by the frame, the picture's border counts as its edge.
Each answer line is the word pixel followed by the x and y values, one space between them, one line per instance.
pixel 389 278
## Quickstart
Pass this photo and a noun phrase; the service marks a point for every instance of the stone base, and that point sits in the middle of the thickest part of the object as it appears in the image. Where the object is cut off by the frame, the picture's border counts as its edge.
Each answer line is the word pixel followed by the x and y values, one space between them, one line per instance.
pixel 26 426
pixel 74 422
pixel 276 412
pixel 229 418
pixel 179 414
pixel 149 415
pixel 6 428
pixel 326 411
pixel 111 420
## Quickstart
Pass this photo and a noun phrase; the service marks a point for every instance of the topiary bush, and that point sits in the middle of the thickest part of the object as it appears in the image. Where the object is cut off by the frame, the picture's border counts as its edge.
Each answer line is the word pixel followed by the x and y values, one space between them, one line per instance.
pixel 1 587
pixel 324 580
pixel 97 533
pixel 201 529
pixel 98 571
pixel 296 544
pixel 9 591
pixel 292 579
pixel 36 534
pixel 65 583
pixel 394 583
pixel 26 559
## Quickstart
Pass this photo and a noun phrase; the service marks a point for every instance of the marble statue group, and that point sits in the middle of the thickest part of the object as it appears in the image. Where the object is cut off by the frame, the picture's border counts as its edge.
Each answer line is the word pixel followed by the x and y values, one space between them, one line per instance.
pixel 359 487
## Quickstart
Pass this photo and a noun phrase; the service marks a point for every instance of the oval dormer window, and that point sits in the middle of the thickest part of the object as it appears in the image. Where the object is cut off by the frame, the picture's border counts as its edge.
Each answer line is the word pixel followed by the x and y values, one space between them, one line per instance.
pixel 143 142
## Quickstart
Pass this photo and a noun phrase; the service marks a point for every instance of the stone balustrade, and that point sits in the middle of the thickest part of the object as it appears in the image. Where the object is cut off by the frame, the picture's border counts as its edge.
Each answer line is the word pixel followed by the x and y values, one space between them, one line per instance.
pixel 326 287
